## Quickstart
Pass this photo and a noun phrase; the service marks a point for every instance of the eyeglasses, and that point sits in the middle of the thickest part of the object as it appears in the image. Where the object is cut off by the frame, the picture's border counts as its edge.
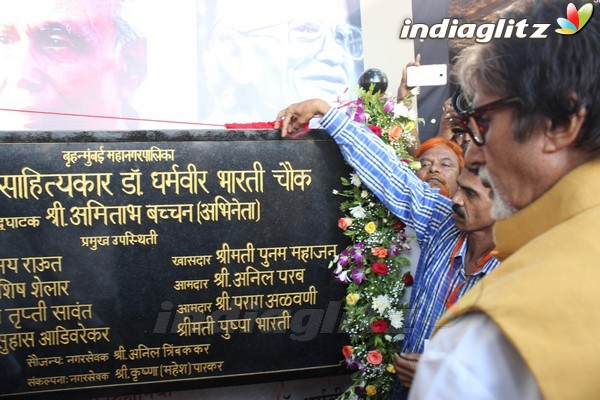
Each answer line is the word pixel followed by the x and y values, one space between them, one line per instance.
pixel 472 120
pixel 313 34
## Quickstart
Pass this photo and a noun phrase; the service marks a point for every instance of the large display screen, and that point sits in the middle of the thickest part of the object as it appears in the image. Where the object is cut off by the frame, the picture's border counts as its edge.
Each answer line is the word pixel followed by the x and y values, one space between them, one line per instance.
pixel 133 64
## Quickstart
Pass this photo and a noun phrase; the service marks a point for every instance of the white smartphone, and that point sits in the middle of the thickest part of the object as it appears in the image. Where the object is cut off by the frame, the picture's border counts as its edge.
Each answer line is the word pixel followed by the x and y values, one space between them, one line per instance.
pixel 427 75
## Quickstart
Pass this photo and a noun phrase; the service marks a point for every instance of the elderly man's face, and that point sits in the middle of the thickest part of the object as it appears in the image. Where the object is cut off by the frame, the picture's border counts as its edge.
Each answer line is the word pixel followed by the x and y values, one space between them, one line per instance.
pixel 510 168
pixel 290 53
pixel 440 168
pixel 321 63
pixel 58 56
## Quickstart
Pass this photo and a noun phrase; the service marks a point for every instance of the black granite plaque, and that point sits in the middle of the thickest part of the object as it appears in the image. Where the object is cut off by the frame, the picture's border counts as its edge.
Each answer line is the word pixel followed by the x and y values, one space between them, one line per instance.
pixel 143 261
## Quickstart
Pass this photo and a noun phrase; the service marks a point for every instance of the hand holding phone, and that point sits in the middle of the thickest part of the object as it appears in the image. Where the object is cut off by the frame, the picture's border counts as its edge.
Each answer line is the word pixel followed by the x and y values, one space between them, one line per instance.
pixel 427 75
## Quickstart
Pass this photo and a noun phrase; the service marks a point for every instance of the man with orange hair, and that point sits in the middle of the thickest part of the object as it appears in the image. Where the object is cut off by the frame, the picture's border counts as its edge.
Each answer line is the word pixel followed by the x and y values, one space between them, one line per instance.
pixel 441 162
pixel 455 235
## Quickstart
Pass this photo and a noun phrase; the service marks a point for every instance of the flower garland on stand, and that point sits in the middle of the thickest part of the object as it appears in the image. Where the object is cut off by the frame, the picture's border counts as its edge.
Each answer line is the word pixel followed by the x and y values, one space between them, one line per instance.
pixel 373 266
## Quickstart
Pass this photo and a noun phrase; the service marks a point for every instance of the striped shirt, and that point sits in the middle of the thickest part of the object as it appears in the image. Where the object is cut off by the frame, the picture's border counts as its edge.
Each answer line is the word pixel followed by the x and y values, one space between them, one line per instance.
pixel 418 206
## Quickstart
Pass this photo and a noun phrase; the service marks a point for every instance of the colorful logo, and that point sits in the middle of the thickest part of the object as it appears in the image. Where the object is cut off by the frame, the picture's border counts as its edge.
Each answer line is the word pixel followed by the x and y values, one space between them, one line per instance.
pixel 576 19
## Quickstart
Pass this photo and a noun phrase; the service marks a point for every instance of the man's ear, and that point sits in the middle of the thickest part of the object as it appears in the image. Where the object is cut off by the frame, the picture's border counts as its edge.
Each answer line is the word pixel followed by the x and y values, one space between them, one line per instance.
pixel 564 134
pixel 135 61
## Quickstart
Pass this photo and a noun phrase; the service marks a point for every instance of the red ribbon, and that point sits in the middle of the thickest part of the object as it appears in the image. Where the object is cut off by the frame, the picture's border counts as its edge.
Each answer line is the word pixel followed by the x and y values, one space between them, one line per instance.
pixel 268 125
pixel 250 125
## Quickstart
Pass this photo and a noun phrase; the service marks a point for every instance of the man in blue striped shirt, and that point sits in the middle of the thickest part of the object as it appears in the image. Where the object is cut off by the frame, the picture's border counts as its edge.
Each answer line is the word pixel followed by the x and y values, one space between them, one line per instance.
pixel 455 235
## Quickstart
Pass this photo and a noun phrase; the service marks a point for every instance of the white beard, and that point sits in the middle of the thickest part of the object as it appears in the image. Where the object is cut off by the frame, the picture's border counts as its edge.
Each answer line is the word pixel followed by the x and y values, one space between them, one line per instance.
pixel 500 207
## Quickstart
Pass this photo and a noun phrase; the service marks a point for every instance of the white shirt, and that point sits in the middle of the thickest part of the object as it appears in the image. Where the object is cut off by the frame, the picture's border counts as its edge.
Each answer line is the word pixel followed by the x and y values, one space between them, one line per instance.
pixel 471 359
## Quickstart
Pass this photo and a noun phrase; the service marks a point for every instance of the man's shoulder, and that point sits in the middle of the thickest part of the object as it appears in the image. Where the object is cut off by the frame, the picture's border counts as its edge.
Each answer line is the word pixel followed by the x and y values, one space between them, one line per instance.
pixel 445 232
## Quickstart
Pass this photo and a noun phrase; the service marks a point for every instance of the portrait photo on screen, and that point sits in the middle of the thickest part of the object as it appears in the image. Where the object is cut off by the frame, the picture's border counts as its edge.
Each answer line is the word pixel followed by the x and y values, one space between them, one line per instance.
pixel 259 55
pixel 193 64
pixel 64 61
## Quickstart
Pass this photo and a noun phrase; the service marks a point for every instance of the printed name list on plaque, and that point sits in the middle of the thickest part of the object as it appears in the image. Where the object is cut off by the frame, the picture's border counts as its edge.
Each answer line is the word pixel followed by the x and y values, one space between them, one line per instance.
pixel 127 265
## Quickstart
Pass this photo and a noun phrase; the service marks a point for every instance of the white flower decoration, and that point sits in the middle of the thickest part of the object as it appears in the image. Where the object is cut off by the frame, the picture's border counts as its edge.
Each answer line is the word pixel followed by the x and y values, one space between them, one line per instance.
pixel 358 212
pixel 380 303
pixel 355 180
pixel 413 115
pixel 396 319
pixel 400 110
pixel 343 277
pixel 398 337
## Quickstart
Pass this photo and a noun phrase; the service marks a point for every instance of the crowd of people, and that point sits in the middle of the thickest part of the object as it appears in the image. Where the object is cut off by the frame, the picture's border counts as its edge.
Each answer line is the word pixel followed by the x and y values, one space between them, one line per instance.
pixel 507 265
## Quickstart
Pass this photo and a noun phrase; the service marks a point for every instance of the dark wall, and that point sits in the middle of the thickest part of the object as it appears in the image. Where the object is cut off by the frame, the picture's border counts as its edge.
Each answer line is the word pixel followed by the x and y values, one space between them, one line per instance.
pixel 433 51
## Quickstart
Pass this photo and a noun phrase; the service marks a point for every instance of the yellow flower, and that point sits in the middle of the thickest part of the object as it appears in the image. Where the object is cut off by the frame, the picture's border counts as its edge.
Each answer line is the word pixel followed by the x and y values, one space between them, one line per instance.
pixel 409 126
pixel 415 165
pixel 352 298
pixel 390 368
pixel 370 227
pixel 371 390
